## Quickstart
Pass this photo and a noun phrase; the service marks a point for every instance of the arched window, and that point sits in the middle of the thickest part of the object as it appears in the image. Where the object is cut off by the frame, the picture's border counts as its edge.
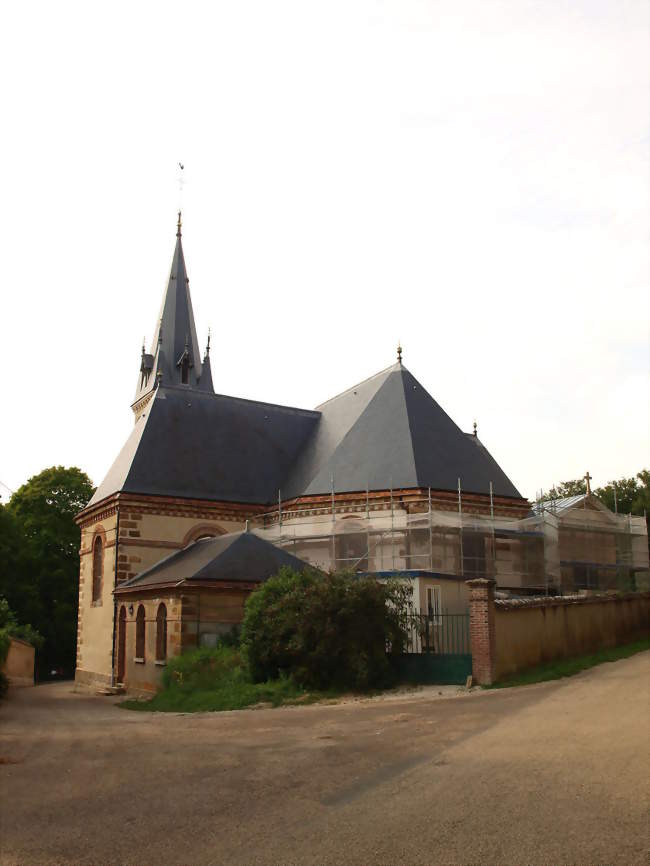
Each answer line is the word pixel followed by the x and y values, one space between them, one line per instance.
pixel 139 633
pixel 161 633
pixel 185 370
pixel 98 568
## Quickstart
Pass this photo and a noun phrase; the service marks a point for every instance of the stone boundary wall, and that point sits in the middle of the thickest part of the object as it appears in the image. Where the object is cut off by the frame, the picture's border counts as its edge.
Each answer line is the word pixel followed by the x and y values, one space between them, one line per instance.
pixel 19 664
pixel 514 634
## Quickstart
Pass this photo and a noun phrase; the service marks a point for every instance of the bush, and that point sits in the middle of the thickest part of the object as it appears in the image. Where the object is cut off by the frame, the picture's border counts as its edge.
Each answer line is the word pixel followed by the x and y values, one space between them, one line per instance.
pixel 215 679
pixel 325 631
pixel 201 668
pixel 9 628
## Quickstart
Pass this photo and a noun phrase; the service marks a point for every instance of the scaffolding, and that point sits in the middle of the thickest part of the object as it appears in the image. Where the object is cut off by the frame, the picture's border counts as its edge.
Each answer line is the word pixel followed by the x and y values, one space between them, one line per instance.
pixel 551 550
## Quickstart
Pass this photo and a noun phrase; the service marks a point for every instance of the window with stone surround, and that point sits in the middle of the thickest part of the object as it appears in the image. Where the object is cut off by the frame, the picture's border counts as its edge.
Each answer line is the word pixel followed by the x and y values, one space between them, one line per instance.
pixel 161 633
pixel 98 568
pixel 139 633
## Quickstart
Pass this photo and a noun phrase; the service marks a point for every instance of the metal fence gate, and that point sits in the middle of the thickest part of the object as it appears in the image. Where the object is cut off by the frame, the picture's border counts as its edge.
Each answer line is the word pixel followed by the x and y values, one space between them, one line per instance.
pixel 437 649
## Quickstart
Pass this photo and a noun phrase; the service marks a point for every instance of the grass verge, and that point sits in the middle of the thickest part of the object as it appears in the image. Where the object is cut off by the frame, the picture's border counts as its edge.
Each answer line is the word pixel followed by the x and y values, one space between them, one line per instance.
pixel 568 667
pixel 217 679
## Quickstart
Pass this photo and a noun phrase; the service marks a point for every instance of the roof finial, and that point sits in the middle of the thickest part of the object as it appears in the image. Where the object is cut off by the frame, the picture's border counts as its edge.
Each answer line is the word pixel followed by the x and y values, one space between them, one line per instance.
pixel 475 428
pixel 178 226
pixel 143 342
pixel 207 346
pixel 399 352
pixel 588 479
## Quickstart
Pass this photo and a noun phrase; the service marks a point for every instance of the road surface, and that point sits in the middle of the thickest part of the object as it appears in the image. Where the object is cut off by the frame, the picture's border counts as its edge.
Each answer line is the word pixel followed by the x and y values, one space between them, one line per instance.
pixel 555 773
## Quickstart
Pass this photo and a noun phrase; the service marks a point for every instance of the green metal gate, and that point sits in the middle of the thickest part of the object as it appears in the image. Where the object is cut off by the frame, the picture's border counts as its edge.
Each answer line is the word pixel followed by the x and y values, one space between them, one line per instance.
pixel 438 649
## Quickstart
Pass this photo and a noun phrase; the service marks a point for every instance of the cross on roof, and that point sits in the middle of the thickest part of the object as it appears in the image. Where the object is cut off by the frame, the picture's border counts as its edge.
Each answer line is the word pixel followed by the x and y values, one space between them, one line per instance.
pixel 588 479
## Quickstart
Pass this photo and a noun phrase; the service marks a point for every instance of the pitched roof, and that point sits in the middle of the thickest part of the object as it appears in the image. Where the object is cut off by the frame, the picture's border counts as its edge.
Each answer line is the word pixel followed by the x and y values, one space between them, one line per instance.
pixel 208 446
pixel 389 432
pixel 236 557
pixel 385 432
pixel 188 442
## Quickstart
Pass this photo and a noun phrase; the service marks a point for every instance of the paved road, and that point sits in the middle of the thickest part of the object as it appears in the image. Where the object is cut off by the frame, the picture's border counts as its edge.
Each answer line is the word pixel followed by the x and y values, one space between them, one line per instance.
pixel 549 774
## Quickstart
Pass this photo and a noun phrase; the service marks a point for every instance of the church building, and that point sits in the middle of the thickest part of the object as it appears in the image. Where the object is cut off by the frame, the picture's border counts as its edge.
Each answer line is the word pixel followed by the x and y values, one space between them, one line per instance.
pixel 211 494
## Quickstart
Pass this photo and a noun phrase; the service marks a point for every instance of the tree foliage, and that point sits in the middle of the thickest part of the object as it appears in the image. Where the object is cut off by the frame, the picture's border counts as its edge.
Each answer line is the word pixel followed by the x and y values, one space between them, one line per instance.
pixel 39 560
pixel 324 631
pixel 632 494
pixel 9 627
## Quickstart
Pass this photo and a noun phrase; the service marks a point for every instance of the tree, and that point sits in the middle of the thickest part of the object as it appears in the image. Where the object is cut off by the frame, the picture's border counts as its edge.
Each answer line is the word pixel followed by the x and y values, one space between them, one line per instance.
pixel 40 579
pixel 632 494
pixel 325 630
pixel 566 488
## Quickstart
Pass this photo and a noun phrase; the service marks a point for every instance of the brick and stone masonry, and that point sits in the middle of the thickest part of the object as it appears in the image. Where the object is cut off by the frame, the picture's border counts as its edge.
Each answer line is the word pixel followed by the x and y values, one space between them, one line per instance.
pixel 481 629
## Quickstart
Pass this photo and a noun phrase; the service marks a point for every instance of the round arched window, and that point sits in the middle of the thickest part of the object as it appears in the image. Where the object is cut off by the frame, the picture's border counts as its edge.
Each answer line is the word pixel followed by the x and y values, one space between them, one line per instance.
pixel 161 633
pixel 98 568
pixel 139 633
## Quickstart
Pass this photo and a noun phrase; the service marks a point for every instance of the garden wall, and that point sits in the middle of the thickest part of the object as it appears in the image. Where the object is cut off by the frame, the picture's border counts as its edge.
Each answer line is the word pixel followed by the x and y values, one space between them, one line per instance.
pixel 19 664
pixel 515 634
pixel 530 632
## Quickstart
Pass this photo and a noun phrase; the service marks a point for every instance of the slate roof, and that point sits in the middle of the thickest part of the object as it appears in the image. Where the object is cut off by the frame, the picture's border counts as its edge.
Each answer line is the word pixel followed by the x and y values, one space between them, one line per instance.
pixel 388 431
pixel 191 443
pixel 208 446
pixel 236 557
pixel 174 335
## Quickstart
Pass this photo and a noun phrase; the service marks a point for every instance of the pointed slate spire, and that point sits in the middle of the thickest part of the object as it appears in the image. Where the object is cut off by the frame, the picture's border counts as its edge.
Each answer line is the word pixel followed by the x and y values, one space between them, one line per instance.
pixel 175 357
pixel 205 382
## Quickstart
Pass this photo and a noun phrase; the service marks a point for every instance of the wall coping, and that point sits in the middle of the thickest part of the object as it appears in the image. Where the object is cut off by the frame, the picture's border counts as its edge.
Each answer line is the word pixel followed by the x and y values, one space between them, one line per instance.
pixel 560 600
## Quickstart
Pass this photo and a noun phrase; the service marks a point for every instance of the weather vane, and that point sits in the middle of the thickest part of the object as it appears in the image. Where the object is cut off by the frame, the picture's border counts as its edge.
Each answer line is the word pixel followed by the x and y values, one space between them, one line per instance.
pixel 181 184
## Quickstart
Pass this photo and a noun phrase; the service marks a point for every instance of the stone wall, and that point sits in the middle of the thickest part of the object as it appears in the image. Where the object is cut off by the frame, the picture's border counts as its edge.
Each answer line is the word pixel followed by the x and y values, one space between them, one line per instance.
pixel 515 634
pixel 95 620
pixel 19 664
pixel 530 632
pixel 143 674
pixel 137 532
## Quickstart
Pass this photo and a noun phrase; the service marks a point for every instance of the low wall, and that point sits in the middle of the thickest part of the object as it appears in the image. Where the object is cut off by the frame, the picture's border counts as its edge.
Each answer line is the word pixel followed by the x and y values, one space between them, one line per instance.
pixel 530 632
pixel 19 664
pixel 511 635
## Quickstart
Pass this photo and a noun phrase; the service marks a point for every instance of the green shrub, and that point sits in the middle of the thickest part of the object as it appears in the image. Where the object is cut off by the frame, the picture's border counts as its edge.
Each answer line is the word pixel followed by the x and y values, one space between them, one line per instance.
pixel 9 628
pixel 202 668
pixel 324 631
pixel 215 679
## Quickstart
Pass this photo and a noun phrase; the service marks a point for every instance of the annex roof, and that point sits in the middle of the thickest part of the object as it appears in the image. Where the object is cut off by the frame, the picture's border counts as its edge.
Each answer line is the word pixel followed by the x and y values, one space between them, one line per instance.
pixel 235 557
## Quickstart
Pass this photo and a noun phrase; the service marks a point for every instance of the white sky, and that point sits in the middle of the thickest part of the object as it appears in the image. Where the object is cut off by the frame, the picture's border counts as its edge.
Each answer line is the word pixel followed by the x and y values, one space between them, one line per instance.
pixel 469 177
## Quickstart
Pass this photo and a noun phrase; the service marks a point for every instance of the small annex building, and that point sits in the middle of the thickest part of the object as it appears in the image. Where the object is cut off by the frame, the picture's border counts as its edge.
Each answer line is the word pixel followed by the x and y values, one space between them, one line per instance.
pixel 189 599
pixel 376 480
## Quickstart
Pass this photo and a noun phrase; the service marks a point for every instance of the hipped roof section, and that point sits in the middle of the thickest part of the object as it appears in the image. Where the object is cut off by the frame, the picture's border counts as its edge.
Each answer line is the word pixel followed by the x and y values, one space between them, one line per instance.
pixel 238 557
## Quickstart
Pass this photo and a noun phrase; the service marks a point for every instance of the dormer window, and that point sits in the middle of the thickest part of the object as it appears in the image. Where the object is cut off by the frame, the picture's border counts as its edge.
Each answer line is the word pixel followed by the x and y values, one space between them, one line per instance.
pixel 185 362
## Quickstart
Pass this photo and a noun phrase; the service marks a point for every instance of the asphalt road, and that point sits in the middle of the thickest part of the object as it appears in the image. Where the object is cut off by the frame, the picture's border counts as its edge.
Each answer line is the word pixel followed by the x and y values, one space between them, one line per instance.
pixel 549 774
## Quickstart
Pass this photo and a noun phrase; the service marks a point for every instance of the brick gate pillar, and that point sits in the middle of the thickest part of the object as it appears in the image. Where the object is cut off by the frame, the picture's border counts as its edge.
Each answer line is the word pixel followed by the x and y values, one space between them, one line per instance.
pixel 481 629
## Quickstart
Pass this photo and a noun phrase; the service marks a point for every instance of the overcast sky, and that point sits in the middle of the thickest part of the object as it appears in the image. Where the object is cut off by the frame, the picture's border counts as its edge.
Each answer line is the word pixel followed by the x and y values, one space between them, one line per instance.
pixel 470 178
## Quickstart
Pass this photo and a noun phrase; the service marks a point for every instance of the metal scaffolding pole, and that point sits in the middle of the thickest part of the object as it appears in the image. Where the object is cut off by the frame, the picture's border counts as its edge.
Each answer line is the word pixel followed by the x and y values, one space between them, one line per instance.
pixel 430 534
pixel 460 530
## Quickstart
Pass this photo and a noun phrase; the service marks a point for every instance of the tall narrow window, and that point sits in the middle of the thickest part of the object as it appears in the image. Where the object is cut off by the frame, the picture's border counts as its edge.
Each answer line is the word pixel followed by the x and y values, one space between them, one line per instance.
pixel 161 633
pixel 139 633
pixel 185 370
pixel 98 568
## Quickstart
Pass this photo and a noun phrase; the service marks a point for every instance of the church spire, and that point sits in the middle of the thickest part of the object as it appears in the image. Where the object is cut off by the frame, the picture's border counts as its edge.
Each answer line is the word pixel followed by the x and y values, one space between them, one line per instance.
pixel 175 352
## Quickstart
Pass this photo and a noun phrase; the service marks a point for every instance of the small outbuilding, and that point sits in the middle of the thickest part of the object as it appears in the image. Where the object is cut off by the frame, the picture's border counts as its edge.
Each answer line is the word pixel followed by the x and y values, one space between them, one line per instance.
pixel 188 600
